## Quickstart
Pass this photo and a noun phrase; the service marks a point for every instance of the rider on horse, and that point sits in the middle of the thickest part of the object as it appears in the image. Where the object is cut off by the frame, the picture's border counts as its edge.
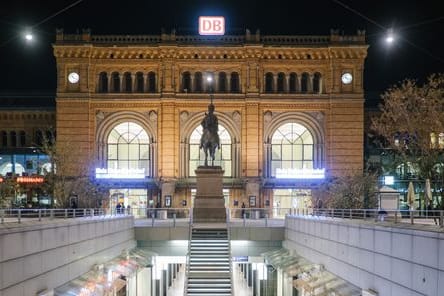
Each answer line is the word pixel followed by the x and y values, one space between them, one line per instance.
pixel 210 137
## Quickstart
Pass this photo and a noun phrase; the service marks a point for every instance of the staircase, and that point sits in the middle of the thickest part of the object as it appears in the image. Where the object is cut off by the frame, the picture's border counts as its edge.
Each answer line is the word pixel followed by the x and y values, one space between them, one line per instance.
pixel 209 267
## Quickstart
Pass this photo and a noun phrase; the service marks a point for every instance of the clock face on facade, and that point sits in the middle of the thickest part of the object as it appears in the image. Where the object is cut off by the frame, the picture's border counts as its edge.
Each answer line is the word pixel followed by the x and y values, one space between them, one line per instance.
pixel 73 77
pixel 346 78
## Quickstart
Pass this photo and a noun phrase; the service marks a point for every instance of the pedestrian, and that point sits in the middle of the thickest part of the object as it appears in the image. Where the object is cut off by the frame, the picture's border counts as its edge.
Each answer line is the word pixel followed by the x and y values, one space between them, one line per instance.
pixel 118 208
pixel 128 209
pixel 243 210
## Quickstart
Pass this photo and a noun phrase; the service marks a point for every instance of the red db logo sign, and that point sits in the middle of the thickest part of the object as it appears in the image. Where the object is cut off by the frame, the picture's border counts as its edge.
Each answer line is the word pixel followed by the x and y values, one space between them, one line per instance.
pixel 211 25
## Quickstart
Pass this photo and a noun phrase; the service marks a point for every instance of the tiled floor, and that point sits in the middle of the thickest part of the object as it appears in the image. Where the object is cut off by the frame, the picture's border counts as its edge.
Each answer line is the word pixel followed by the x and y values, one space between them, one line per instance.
pixel 240 285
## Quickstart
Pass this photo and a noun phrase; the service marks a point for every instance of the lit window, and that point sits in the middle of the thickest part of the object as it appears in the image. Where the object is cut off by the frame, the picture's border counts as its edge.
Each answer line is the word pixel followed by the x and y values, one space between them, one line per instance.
pixel 223 155
pixel 128 147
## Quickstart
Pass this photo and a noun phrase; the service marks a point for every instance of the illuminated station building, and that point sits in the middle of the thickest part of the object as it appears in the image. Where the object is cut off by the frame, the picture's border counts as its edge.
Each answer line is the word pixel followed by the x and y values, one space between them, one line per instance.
pixel 290 111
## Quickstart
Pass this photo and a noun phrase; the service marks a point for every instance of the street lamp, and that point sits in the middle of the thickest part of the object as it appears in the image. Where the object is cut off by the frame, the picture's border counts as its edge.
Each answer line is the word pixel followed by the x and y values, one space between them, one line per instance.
pixel 390 37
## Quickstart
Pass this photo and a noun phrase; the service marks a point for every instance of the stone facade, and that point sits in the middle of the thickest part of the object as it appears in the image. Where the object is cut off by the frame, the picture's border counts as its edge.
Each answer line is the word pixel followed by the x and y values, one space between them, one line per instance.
pixel 261 82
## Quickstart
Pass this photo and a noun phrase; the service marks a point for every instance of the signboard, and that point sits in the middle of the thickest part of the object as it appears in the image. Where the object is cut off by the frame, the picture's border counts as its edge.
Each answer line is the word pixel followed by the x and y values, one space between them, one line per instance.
pixel 300 173
pixel 211 25
pixel 120 173
pixel 30 179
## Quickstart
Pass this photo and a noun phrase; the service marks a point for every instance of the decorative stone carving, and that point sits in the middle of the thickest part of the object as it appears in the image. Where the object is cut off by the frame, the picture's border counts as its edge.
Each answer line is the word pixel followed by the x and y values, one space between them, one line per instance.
pixel 100 116
pixel 152 115
pixel 184 115
pixel 236 117
pixel 268 116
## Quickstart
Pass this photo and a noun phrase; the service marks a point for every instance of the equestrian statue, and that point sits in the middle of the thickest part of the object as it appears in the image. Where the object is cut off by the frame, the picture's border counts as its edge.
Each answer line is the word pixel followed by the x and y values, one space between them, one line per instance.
pixel 209 140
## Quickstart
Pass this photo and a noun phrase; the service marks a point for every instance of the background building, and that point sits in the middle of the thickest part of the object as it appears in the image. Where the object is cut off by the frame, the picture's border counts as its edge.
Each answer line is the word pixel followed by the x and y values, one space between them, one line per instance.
pixel 290 112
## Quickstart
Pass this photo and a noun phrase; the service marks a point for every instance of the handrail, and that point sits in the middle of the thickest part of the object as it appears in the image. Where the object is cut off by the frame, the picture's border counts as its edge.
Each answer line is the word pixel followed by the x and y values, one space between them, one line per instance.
pixel 187 269
pixel 229 249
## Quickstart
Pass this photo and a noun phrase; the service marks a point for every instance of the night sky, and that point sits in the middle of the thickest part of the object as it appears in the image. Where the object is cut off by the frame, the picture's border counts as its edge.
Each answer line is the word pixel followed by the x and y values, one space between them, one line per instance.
pixel 416 54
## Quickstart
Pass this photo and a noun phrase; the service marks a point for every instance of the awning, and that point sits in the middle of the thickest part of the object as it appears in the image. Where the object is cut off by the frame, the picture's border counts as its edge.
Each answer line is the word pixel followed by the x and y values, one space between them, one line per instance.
pixel 310 277
pixel 108 277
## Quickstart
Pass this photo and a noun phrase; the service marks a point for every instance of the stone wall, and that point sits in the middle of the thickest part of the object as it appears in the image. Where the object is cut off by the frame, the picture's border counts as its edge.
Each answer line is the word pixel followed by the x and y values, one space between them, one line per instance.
pixel 41 256
pixel 391 260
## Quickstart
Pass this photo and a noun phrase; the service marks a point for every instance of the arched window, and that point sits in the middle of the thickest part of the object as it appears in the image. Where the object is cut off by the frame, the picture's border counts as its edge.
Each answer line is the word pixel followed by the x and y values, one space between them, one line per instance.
pixel 281 82
pixel 269 82
pixel 223 155
pixel 13 138
pixel 222 83
pixel 291 148
pixel 4 139
pixel 304 82
pixel 152 82
pixel 128 147
pixel 22 139
pixel 186 82
pixel 139 82
pixel 293 83
pixel 198 87
pixel 103 82
pixel 234 82
pixel 39 138
pixel 128 82
pixel 317 83
pixel 115 82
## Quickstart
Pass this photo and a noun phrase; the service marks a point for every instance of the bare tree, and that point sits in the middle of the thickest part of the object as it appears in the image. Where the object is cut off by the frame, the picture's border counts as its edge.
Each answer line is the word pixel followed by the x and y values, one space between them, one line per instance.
pixel 350 191
pixel 69 179
pixel 411 125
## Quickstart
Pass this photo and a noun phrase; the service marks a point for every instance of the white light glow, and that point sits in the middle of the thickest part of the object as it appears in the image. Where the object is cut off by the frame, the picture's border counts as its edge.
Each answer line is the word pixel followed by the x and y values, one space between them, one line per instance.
pixel 28 36
pixel 120 173
pixel 300 173
pixel 389 180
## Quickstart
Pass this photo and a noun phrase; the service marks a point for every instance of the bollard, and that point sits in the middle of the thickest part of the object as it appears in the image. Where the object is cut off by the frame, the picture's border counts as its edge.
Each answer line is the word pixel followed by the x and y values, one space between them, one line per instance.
pixel 51 214
pixel 92 213
pixel 152 219
pixel 396 217
pixel 66 213
pixel 19 215
pixel 245 216
pixel 84 212
pixel 174 220
pixel 2 216
pixel 441 218
pixel 266 220
pixel 73 213
pixel 40 215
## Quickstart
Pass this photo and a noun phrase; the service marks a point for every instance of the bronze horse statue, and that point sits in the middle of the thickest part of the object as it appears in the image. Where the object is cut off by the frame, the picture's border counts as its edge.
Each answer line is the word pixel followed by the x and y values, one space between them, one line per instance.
pixel 209 140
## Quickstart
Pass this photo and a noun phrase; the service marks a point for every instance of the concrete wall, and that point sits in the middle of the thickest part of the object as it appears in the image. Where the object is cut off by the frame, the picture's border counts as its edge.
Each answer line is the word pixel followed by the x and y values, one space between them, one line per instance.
pixel 390 260
pixel 44 255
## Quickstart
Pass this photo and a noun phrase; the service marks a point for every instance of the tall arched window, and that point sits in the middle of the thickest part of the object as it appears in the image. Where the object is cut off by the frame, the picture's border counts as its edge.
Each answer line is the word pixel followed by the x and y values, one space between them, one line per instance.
pixel 103 82
pixel 293 83
pixel 115 82
pixel 291 148
pixel 139 82
pixel 152 82
pixel 22 138
pixel 4 139
pixel 186 82
pixel 223 155
pixel 13 138
pixel 281 82
pixel 39 138
pixel 304 82
pixel 317 83
pixel 269 82
pixel 128 82
pixel 128 147
pixel 234 82
pixel 222 83
pixel 198 87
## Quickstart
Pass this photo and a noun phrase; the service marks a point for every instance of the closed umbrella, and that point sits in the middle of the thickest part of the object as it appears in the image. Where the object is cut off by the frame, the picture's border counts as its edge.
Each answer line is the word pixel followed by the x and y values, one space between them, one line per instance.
pixel 411 195
pixel 427 194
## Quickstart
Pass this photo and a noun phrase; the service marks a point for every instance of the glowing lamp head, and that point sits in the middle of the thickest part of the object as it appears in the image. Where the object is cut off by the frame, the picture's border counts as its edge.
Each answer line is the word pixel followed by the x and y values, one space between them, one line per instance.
pixel 28 37
pixel 209 79
pixel 389 39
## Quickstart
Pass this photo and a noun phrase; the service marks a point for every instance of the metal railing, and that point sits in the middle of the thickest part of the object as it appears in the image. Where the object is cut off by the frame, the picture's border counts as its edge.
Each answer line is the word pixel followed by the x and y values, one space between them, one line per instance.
pixel 418 217
pixel 18 215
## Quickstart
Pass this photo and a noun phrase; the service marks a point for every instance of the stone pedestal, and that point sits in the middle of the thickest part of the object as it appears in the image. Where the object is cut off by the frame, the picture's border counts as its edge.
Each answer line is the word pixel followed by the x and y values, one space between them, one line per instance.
pixel 209 205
